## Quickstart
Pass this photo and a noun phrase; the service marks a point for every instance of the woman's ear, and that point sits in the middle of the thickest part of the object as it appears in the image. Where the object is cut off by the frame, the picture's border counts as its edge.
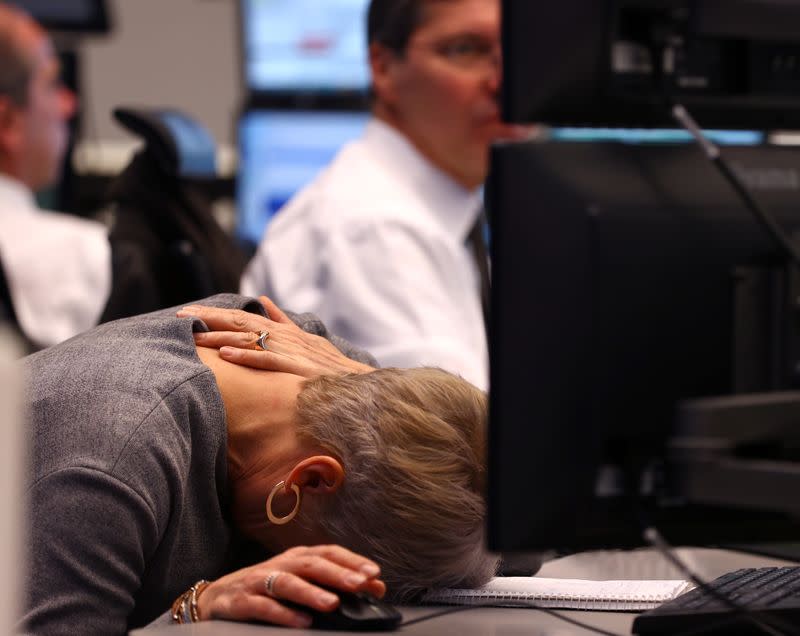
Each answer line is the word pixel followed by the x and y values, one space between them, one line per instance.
pixel 321 474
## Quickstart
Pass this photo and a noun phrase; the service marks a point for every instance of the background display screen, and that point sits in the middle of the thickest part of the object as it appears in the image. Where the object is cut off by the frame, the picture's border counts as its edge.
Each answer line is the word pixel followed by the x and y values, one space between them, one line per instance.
pixel 305 45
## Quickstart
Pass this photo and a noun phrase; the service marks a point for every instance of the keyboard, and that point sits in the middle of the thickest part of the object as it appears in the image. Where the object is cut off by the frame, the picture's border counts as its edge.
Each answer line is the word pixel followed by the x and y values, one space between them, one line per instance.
pixel 769 594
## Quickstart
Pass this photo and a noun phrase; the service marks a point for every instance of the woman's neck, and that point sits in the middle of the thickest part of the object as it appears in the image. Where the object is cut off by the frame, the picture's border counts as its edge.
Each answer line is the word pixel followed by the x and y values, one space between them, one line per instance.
pixel 260 409
pixel 263 447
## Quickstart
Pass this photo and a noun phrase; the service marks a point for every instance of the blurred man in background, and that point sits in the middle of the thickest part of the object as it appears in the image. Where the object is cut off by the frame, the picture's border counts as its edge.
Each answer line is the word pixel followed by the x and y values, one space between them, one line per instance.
pixel 57 267
pixel 377 245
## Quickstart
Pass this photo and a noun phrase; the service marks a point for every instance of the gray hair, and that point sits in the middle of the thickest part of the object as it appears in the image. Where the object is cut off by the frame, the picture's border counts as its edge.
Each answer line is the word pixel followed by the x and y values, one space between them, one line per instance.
pixel 412 442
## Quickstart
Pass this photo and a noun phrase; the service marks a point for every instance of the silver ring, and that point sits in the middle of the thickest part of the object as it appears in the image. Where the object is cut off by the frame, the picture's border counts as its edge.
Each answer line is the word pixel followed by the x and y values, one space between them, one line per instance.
pixel 262 339
pixel 269 583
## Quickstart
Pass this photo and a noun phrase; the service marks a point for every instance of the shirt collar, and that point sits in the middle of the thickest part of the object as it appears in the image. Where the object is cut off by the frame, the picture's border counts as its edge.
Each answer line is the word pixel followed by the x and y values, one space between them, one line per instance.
pixel 455 206
pixel 15 195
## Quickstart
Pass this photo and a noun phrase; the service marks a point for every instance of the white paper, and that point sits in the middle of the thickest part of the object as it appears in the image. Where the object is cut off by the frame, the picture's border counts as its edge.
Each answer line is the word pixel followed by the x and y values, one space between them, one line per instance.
pixel 564 593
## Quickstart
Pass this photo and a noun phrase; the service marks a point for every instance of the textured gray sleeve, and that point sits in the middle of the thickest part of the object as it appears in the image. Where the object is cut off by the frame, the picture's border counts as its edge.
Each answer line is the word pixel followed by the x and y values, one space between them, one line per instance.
pixel 101 534
pixel 162 621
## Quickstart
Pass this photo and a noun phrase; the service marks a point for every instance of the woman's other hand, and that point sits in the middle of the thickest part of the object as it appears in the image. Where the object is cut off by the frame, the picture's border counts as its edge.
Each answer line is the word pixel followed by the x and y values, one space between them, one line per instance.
pixel 289 348
pixel 292 575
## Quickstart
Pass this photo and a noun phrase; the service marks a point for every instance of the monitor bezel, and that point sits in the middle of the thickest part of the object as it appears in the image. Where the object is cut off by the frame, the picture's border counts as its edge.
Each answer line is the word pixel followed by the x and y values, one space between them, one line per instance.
pixel 99 23
pixel 305 98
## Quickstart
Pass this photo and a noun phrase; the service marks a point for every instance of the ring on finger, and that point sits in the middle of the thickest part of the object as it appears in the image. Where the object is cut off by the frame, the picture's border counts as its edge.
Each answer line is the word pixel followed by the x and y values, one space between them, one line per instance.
pixel 261 341
pixel 269 583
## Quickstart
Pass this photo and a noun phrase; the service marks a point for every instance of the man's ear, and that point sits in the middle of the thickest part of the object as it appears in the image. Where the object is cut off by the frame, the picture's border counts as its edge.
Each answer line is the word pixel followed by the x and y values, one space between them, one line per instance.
pixel 319 474
pixel 9 124
pixel 383 62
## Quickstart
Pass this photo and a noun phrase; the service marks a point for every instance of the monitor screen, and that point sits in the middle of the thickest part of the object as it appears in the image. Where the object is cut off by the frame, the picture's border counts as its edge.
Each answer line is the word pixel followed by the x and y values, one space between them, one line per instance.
pixel 90 16
pixel 304 45
pixel 629 279
pixel 279 153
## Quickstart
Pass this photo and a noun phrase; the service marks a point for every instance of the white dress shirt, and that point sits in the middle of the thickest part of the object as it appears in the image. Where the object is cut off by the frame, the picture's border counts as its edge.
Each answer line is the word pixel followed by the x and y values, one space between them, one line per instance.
pixel 375 246
pixel 58 266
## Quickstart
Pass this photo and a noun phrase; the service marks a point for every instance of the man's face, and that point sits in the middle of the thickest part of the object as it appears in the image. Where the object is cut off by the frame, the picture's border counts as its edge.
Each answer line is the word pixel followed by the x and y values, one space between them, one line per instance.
pixel 442 94
pixel 40 125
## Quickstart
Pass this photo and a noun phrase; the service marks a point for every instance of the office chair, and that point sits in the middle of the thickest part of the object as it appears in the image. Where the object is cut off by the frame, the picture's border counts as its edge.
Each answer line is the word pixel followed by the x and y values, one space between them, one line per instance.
pixel 167 248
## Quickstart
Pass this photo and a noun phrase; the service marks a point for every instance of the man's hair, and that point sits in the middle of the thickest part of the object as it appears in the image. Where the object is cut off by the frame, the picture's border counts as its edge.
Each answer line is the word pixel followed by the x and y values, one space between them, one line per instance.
pixel 412 442
pixel 393 22
pixel 15 68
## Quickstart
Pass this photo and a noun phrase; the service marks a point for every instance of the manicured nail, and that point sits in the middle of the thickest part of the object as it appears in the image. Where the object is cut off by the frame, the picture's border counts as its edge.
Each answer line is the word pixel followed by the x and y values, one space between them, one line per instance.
pixel 327 599
pixel 355 579
pixel 371 570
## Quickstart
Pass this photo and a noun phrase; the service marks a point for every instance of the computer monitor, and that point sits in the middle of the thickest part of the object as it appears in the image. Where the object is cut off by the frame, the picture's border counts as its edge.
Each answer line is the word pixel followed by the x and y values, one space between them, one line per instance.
pixel 83 16
pixel 299 48
pixel 280 151
pixel 732 63
pixel 627 280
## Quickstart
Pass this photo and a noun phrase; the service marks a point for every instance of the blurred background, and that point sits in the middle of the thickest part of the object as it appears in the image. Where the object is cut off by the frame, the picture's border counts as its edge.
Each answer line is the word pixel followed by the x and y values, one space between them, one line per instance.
pixel 279 84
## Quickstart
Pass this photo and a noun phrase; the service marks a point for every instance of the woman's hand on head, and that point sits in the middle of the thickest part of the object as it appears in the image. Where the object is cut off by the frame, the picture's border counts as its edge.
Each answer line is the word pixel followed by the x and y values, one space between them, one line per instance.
pixel 289 349
pixel 296 576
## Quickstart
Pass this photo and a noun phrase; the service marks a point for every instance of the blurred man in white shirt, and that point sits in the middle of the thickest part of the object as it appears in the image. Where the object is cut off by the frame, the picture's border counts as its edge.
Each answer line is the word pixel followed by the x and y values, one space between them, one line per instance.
pixel 376 245
pixel 57 267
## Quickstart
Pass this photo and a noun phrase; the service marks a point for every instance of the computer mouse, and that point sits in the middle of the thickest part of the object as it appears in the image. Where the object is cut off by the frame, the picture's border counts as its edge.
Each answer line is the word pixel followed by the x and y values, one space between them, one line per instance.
pixel 356 612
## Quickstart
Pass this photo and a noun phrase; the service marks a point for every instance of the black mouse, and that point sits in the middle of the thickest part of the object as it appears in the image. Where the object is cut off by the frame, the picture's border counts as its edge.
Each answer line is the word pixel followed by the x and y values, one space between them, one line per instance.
pixel 356 612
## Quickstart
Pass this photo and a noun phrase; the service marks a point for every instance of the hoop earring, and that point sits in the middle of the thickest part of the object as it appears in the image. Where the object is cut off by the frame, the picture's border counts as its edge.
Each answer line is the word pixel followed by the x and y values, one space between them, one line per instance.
pixel 279 521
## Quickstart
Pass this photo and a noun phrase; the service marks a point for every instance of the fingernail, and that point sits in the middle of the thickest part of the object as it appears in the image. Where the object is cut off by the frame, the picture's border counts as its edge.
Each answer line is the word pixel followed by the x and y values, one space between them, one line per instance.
pixel 370 569
pixel 302 620
pixel 327 599
pixel 355 579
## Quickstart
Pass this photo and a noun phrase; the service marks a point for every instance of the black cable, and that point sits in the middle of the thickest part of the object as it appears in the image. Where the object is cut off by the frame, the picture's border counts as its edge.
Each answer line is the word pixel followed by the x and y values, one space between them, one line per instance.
pixel 526 605
pixel 714 155
pixel 772 625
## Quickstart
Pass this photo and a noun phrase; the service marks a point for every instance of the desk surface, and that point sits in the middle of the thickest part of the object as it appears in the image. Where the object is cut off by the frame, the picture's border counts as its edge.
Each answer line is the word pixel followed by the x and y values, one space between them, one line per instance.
pixel 495 621
pixel 484 621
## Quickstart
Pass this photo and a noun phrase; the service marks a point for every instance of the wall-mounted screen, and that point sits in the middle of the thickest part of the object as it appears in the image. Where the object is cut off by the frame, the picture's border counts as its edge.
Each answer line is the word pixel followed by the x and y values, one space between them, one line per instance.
pixel 304 45
pixel 279 153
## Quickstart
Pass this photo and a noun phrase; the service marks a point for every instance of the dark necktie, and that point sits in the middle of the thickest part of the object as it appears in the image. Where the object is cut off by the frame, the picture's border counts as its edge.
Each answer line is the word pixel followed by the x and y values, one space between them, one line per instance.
pixel 476 239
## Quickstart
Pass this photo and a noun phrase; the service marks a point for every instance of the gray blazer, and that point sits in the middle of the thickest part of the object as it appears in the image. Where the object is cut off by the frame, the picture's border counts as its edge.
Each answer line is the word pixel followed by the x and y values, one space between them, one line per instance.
pixel 127 484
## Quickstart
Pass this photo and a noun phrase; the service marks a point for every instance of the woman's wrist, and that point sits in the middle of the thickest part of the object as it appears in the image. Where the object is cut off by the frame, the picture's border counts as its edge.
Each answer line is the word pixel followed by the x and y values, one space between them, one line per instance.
pixel 186 608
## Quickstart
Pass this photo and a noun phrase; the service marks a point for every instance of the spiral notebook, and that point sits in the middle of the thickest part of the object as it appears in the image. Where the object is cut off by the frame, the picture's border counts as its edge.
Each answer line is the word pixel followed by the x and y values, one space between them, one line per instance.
pixel 563 593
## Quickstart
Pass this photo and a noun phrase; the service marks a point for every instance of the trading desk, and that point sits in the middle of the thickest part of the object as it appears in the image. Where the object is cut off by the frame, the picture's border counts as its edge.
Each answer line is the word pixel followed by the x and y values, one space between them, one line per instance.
pixel 484 621
pixel 491 621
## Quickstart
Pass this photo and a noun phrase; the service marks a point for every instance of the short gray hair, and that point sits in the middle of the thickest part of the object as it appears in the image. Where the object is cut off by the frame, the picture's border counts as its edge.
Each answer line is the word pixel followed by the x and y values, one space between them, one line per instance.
pixel 413 446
